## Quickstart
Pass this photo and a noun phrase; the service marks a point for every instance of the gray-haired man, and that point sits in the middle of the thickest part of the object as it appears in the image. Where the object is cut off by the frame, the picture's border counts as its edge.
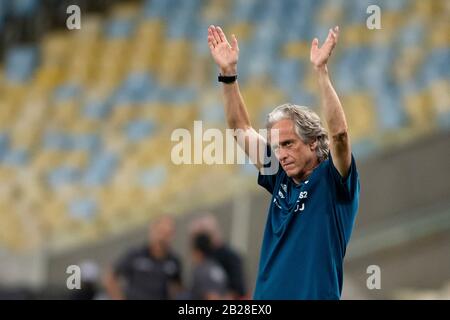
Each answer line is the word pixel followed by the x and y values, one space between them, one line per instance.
pixel 315 190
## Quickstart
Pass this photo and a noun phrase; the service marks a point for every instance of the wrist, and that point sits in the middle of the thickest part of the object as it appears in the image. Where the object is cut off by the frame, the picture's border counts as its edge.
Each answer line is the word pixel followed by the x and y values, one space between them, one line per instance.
pixel 229 71
pixel 321 69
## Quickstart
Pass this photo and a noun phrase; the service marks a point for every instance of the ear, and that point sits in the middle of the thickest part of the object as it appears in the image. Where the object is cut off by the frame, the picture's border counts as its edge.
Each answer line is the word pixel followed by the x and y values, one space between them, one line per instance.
pixel 313 145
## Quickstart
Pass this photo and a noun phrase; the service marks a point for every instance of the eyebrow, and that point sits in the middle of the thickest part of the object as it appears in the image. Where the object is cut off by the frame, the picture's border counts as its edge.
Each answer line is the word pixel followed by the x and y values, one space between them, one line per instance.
pixel 284 142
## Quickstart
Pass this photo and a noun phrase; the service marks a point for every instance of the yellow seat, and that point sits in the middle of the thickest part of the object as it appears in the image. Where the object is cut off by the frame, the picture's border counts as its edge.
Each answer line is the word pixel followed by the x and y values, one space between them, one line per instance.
pixel 92 27
pixel 439 92
pixel 25 137
pixel 12 234
pixel 54 216
pixel 46 159
pixel 439 34
pixel 65 113
pixel 173 69
pixel 296 50
pixel 330 12
pixel 259 94
pixel 242 30
pixel 427 10
pixel 407 63
pixel 121 115
pixel 361 115
pixel 215 10
pixel 47 77
pixel 419 110
pixel 112 58
pixel 77 159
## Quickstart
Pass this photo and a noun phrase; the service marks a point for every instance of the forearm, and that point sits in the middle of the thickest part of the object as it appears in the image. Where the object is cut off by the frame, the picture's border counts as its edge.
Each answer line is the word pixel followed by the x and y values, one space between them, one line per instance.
pixel 331 106
pixel 337 125
pixel 235 110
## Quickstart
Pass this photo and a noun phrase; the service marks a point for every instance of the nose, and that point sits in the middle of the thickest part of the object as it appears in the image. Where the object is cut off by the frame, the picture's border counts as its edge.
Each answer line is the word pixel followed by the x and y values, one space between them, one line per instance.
pixel 282 155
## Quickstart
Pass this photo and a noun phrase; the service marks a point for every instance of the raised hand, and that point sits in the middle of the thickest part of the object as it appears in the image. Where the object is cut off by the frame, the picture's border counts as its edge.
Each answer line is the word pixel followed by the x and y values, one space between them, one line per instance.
pixel 225 55
pixel 320 56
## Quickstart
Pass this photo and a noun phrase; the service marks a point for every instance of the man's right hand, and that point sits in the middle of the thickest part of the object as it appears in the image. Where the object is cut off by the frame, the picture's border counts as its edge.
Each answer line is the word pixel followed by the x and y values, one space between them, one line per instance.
pixel 225 55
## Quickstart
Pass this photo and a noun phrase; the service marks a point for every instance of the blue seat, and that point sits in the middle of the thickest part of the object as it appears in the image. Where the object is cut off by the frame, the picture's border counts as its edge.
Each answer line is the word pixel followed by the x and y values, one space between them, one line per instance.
pixel 443 121
pixel 67 91
pixel 376 68
pixel 138 130
pixel 153 177
pixel 56 140
pixel 24 8
pixel 357 11
pixel 134 89
pixel 349 69
pixel 158 8
pixel 173 95
pixel 243 10
pixel 17 157
pixel 90 142
pixel 4 143
pixel 213 113
pixel 97 109
pixel 119 28
pixel 390 112
pixel 287 73
pixel 63 175
pixel 84 208
pixel 184 19
pixel 436 66
pixel 21 62
pixel 301 97
pixel 412 34
pixel 100 169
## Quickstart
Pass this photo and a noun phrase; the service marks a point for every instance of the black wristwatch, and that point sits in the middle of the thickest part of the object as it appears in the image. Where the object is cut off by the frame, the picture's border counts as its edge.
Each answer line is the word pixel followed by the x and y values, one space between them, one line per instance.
pixel 227 79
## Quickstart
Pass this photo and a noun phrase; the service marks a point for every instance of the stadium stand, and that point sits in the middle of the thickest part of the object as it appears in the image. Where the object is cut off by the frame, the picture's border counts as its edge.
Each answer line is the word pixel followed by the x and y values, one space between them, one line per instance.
pixel 86 115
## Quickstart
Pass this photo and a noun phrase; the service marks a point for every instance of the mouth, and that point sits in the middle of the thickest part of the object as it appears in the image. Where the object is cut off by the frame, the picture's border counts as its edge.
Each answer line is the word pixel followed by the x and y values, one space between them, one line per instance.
pixel 287 166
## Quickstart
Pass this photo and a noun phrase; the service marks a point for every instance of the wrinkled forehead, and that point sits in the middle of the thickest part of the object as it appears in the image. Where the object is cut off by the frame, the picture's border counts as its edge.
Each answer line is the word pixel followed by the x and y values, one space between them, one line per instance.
pixel 281 131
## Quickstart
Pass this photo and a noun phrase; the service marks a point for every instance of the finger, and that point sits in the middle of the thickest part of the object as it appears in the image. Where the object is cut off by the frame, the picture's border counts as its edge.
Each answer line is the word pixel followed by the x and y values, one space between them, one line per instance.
pixel 216 35
pixel 314 46
pixel 222 36
pixel 234 43
pixel 330 35
pixel 331 40
pixel 336 32
pixel 211 36
pixel 211 42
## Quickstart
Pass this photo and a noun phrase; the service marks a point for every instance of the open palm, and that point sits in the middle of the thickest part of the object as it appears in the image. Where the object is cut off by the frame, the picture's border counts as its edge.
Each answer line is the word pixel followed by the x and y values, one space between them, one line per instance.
pixel 320 56
pixel 225 55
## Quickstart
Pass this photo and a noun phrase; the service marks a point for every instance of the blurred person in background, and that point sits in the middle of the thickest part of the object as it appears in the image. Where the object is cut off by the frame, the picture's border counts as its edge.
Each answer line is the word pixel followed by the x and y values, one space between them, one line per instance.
pixel 315 191
pixel 149 272
pixel 209 280
pixel 229 259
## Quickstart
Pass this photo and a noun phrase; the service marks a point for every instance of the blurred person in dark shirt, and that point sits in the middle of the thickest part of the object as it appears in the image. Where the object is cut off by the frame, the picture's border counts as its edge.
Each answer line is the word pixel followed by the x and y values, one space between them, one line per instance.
pixel 228 258
pixel 149 272
pixel 209 280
